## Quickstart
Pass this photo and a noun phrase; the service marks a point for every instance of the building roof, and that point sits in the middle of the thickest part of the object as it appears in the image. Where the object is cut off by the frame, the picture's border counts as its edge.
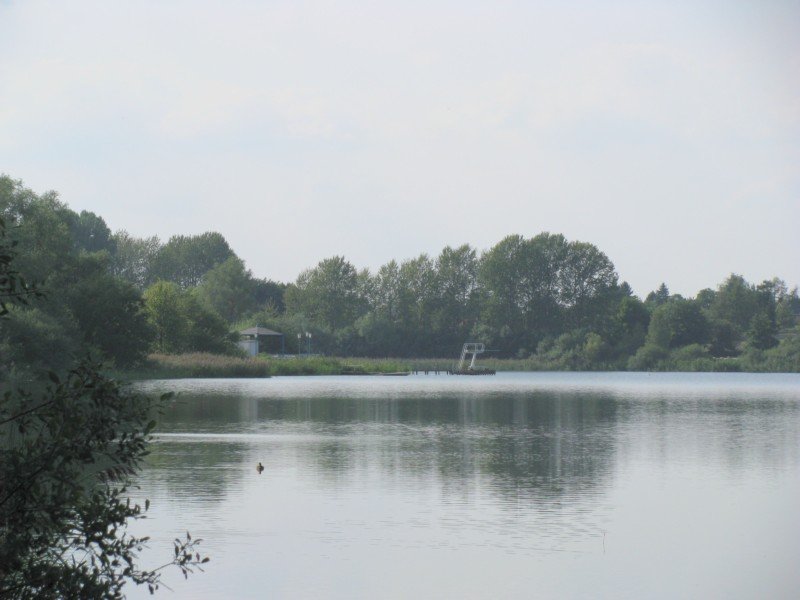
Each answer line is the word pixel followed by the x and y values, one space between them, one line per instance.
pixel 259 331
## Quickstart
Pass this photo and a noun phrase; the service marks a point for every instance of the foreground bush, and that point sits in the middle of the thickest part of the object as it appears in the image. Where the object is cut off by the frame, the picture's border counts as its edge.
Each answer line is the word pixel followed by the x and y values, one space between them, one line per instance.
pixel 67 457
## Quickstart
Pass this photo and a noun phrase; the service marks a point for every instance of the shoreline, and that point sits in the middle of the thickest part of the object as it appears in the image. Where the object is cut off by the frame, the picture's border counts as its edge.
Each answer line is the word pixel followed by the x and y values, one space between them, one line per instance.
pixel 215 366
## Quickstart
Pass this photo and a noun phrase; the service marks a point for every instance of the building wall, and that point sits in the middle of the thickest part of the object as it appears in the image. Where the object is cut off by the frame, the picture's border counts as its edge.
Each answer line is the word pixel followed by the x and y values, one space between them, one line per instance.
pixel 249 346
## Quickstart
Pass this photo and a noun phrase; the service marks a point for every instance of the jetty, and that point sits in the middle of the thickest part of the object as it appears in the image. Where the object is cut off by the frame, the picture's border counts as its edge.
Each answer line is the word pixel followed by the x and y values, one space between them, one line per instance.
pixel 465 366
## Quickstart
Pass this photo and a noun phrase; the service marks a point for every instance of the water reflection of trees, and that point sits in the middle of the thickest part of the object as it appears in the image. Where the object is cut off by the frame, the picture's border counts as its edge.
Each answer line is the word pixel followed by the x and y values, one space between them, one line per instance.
pixel 204 413
pixel 193 469
pixel 539 446
pixel 535 445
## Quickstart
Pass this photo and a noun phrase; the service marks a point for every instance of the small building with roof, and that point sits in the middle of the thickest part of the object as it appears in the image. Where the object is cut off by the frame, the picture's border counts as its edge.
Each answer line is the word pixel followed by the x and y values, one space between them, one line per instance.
pixel 260 339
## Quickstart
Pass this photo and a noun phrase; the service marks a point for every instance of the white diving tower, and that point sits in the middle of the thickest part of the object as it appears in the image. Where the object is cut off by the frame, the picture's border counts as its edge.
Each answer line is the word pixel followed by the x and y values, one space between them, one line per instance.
pixel 470 348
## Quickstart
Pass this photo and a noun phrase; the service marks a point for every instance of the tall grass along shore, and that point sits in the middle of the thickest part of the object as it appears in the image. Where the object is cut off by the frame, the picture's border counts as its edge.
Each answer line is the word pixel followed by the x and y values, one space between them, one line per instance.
pixel 205 365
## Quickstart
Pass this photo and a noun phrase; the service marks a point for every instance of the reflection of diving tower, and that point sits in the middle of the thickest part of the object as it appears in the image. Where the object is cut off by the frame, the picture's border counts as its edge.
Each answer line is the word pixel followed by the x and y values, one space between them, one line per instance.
pixel 470 348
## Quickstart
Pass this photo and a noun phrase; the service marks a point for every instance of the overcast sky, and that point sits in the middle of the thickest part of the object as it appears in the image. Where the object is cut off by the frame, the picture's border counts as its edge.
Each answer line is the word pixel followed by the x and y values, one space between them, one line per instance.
pixel 666 133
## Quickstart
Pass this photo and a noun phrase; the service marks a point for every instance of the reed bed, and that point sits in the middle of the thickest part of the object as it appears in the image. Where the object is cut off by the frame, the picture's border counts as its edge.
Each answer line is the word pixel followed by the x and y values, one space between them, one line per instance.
pixel 324 365
pixel 366 366
pixel 201 365
pixel 204 365
pixel 313 365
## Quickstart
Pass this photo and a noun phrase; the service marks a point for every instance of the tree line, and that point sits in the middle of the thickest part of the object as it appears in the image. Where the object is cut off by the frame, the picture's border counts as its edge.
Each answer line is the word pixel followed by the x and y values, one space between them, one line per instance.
pixel 557 302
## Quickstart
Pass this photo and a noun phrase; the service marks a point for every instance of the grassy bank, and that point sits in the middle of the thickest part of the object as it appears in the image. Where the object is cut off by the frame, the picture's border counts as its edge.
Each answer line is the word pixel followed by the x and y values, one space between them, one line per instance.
pixel 324 365
pixel 204 365
pixel 200 365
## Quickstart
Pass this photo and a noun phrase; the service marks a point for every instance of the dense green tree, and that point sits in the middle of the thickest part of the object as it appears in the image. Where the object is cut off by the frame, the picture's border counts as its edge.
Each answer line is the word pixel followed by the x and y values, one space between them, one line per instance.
pixel 705 298
pixel 456 309
pixel 658 297
pixel 548 291
pixel 67 457
pixel 692 357
pixel 206 330
pixel 595 350
pixel 647 358
pixel 385 292
pixel 762 331
pixel 88 308
pixel 787 311
pixel 534 288
pixel 163 307
pixel 185 259
pixel 229 289
pixel 742 311
pixel 783 357
pixel 587 284
pixel 109 312
pixel 630 328
pixel 37 243
pixel 40 228
pixel 572 351
pixel 269 293
pixel 183 322
pixel 723 338
pixel 327 294
pixel 503 273
pixel 14 290
pixel 417 304
pixel 736 302
pixel 33 340
pixel 90 233
pixel 677 323
pixel 382 328
pixel 380 336
pixel 133 258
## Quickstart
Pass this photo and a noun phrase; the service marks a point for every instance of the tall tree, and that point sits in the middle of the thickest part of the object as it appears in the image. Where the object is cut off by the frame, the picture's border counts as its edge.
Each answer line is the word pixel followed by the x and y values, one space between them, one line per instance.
pixel 587 282
pixel 39 225
pixel 417 303
pixel 184 323
pixel 632 320
pixel 385 293
pixel 163 307
pixel 676 323
pixel 229 289
pixel 502 272
pixel 133 258
pixel 658 297
pixel 457 290
pixel 90 232
pixel 762 331
pixel 736 302
pixel 108 311
pixel 185 259
pixel 328 294
pixel 268 294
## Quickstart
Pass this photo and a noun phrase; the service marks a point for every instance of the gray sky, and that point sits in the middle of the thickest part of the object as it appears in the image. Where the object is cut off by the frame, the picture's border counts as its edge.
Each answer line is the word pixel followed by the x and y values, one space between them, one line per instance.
pixel 666 133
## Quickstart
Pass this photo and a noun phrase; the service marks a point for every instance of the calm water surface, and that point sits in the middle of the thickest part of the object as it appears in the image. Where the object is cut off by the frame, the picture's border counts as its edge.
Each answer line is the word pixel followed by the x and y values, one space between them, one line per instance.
pixel 521 485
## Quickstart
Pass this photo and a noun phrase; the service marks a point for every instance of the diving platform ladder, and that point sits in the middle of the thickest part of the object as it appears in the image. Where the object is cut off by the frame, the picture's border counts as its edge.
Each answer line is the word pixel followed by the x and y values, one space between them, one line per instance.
pixel 473 349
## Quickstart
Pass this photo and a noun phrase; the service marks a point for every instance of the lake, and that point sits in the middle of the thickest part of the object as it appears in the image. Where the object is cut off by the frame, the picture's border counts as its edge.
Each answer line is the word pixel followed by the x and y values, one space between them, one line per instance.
pixel 521 485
